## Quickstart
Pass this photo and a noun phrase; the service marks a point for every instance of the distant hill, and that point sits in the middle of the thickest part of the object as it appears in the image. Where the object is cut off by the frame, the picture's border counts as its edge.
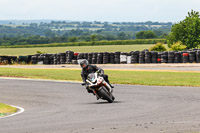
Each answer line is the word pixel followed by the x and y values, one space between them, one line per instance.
pixel 18 22
pixel 21 32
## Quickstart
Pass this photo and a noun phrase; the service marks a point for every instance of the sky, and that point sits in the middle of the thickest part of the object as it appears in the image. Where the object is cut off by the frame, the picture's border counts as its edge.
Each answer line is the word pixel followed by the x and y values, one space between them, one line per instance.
pixel 98 10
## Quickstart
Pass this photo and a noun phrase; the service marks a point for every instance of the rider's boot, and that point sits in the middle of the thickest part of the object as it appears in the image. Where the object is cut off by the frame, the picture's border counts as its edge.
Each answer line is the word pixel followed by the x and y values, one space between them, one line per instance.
pixel 97 97
pixel 110 84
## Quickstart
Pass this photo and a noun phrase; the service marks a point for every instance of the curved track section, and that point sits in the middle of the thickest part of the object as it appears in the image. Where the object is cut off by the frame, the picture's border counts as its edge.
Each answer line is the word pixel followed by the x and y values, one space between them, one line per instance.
pixel 61 107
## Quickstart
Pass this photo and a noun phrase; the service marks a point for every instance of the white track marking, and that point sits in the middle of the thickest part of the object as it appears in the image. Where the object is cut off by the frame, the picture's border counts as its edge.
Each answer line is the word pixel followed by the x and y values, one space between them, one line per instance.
pixel 21 110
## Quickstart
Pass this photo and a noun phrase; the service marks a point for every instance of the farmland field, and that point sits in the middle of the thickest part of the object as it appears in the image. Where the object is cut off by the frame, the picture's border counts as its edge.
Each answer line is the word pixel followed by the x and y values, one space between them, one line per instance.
pixel 108 48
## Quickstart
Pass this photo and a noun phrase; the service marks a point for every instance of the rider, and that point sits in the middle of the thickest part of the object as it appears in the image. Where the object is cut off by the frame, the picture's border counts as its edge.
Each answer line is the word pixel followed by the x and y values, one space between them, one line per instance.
pixel 87 69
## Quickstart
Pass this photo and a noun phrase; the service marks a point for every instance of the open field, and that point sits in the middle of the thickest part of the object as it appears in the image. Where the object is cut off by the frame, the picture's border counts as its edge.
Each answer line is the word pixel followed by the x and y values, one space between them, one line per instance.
pixel 6 109
pixel 108 48
pixel 133 77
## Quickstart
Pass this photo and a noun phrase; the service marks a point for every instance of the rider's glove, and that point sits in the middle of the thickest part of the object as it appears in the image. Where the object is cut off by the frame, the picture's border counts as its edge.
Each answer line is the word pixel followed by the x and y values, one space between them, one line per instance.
pixel 101 72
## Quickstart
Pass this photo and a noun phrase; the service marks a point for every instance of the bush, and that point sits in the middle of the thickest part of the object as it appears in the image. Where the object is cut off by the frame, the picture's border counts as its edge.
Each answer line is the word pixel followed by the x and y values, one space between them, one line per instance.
pixel 178 47
pixel 158 47
pixel 40 52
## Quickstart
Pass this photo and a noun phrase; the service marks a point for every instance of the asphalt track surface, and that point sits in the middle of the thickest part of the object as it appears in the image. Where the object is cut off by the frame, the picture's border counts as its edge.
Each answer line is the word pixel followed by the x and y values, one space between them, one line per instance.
pixel 63 107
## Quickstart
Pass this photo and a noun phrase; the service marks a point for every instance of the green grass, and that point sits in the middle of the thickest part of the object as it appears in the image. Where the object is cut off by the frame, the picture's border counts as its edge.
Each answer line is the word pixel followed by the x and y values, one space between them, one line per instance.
pixel 108 48
pixel 117 77
pixel 6 109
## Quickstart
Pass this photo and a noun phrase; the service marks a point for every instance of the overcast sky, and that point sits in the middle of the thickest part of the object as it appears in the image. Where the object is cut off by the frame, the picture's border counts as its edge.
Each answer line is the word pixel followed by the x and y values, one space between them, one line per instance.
pixel 100 10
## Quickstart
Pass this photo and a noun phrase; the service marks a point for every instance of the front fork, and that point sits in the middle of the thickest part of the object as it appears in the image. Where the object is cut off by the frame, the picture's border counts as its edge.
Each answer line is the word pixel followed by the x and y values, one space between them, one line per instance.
pixel 110 90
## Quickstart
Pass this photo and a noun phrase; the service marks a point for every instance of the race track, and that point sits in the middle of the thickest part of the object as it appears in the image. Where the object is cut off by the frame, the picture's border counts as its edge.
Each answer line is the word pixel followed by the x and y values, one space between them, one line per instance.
pixel 61 107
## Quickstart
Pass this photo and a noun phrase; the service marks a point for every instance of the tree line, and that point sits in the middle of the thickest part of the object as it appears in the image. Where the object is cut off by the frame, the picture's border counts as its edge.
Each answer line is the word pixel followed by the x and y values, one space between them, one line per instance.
pixel 62 32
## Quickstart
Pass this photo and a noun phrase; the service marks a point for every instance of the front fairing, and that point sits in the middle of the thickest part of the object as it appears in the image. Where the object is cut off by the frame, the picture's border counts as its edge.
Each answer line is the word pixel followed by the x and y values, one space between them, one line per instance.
pixel 92 77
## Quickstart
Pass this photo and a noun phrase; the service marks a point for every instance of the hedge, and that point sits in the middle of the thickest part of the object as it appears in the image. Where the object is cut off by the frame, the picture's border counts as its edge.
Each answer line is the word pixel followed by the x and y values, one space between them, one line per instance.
pixel 114 42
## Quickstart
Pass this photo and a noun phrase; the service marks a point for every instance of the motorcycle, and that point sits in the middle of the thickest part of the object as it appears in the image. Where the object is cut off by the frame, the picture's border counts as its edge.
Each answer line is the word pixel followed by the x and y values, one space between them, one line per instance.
pixel 99 87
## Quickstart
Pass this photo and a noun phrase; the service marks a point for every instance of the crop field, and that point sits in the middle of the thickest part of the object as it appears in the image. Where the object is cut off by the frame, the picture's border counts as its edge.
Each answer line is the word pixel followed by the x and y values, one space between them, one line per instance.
pixel 106 48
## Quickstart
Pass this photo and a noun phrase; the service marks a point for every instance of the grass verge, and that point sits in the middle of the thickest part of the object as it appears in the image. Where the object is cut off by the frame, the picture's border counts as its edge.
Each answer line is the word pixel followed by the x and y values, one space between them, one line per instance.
pixel 117 77
pixel 6 109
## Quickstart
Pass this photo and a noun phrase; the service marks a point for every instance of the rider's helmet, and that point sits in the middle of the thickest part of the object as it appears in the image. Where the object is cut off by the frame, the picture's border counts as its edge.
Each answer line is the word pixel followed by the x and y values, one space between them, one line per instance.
pixel 84 63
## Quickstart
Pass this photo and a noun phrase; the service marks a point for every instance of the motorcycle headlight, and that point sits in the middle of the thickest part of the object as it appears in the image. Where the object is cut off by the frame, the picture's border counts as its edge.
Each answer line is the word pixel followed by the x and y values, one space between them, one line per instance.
pixel 99 81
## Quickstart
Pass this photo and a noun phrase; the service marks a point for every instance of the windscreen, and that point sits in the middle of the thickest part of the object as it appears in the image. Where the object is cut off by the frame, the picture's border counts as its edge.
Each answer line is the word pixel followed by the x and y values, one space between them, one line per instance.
pixel 91 77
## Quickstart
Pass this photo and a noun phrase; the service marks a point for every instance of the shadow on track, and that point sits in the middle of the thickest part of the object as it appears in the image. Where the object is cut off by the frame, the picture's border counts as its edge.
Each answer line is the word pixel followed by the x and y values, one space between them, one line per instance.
pixel 105 102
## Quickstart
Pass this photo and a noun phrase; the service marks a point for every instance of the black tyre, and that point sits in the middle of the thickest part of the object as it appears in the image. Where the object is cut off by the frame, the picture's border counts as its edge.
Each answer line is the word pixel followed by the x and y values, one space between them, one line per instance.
pixel 103 93
pixel 113 98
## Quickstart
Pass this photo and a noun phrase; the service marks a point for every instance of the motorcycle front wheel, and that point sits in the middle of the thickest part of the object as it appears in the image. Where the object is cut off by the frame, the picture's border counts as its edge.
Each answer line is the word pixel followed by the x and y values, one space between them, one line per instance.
pixel 104 94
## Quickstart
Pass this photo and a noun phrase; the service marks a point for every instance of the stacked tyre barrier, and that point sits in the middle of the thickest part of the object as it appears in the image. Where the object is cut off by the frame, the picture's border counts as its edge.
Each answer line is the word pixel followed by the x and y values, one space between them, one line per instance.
pixel 185 57
pixel 106 57
pixel 100 58
pixel 159 57
pixel 112 58
pixel 154 57
pixel 8 59
pixel 164 57
pixel 94 58
pixel 147 57
pixel 133 57
pixel 14 59
pixel 192 56
pixel 198 56
pixel 177 57
pixel 117 58
pixel 69 57
pixel 123 58
pixel 141 57
pixel 171 57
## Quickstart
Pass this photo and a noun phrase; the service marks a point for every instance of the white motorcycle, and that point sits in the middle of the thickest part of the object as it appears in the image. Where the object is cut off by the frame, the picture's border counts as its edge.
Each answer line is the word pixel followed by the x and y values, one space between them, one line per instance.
pixel 99 87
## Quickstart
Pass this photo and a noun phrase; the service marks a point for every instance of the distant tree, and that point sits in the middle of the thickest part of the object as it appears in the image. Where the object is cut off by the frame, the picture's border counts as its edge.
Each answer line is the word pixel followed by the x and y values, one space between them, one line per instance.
pixel 109 37
pixel 186 31
pixel 49 33
pixel 97 22
pixel 100 37
pixel 33 25
pixel 158 32
pixel 145 35
pixel 73 39
pixel 122 36
pixel 86 38
pixel 93 38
